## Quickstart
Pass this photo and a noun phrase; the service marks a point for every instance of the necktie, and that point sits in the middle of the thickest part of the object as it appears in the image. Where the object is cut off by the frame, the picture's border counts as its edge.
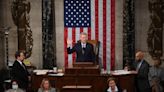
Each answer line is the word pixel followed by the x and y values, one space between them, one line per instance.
pixel 83 50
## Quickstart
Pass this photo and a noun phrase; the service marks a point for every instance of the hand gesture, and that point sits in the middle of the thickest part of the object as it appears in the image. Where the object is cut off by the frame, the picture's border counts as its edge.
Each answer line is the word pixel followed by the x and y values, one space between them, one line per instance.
pixel 69 42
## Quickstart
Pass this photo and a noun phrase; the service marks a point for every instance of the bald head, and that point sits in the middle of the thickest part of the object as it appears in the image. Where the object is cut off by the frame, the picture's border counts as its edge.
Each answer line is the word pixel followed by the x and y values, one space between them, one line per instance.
pixel 139 55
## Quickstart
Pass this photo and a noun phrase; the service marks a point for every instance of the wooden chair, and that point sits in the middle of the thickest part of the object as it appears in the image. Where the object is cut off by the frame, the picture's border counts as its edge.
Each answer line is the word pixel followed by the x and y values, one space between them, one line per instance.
pixel 96 45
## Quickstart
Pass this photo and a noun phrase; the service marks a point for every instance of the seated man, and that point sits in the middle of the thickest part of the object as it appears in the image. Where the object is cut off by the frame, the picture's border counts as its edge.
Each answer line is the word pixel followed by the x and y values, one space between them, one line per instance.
pixel 84 50
pixel 15 88
pixel 156 75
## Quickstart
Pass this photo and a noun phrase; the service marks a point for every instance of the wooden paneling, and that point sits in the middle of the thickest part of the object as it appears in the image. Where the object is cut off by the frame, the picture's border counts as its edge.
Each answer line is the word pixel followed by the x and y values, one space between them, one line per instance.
pixel 98 82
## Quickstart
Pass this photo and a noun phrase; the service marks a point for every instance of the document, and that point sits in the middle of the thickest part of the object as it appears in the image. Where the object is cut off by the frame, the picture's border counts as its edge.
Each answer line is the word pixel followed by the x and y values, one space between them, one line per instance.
pixel 40 72
pixel 120 72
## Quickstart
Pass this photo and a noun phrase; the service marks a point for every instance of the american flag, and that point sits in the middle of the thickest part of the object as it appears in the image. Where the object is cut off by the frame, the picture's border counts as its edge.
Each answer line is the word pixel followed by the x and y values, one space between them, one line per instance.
pixel 95 17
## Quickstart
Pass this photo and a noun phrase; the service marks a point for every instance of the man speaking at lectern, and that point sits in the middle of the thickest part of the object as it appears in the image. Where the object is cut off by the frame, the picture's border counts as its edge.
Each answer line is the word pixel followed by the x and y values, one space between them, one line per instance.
pixel 84 50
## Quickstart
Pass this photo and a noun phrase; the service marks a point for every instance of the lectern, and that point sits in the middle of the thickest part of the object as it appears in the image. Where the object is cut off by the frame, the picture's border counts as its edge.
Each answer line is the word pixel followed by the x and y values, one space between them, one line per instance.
pixel 84 64
pixel 83 68
pixel 80 70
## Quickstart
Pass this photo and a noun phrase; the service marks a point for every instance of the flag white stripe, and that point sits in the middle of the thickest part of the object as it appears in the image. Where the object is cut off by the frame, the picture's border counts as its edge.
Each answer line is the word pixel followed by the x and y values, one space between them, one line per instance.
pixel 77 34
pixel 100 7
pixel 108 47
pixel 70 55
pixel 85 30
pixel 93 19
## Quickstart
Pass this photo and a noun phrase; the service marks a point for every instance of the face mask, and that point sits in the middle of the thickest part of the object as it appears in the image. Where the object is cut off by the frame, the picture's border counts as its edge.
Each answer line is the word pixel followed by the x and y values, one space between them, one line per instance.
pixel 15 86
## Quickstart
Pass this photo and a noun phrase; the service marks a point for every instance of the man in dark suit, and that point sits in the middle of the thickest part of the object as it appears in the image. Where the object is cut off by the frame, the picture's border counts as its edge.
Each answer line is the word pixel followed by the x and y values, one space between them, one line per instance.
pixel 84 50
pixel 19 71
pixel 142 69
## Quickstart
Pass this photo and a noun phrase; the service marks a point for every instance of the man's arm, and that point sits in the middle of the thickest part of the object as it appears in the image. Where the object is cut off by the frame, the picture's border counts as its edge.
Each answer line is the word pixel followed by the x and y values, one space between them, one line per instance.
pixel 69 50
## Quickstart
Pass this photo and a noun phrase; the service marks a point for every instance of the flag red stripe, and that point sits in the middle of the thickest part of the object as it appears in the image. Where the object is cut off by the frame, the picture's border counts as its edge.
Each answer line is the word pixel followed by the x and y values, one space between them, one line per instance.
pixel 112 34
pixel 65 46
pixel 96 20
pixel 104 34
pixel 89 33
pixel 96 29
pixel 73 42
pixel 81 29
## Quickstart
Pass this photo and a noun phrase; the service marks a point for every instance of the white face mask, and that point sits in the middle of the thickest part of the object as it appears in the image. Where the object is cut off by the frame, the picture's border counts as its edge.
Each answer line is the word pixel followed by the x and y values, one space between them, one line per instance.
pixel 15 86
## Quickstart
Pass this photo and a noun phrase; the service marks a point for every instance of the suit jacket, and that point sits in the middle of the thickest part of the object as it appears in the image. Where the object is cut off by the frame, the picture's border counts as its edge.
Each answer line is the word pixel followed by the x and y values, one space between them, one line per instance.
pixel 80 57
pixel 20 74
pixel 142 82
pixel 156 74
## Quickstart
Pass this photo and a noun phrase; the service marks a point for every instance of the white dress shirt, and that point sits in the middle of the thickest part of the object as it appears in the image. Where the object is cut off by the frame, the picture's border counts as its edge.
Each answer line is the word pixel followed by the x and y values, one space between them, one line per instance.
pixel 83 45
pixel 110 89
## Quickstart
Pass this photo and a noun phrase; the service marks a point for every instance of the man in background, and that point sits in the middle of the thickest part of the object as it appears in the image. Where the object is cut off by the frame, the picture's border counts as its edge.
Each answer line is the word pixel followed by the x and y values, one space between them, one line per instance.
pixel 15 88
pixel 19 71
pixel 156 76
pixel 142 68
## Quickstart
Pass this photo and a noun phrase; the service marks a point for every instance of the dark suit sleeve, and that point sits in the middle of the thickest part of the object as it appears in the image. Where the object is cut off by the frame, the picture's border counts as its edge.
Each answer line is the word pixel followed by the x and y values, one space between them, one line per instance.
pixel 143 73
pixel 69 50
pixel 18 74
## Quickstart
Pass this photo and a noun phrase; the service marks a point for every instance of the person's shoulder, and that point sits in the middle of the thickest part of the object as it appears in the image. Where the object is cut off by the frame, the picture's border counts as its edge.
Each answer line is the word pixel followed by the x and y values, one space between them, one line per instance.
pixel 40 90
pixel 78 43
pixel 53 90
pixel 9 90
pixel 145 62
pixel 15 63
pixel 12 90
pixel 89 44
pixel 20 90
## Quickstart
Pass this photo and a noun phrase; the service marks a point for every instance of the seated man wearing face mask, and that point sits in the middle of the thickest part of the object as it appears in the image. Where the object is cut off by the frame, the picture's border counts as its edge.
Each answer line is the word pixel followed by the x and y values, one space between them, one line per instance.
pixel 15 88
pixel 19 71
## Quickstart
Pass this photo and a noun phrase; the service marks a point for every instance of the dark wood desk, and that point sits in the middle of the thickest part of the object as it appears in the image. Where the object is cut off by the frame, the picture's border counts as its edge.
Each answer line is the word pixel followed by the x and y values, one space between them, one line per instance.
pixel 98 82
pixel 87 88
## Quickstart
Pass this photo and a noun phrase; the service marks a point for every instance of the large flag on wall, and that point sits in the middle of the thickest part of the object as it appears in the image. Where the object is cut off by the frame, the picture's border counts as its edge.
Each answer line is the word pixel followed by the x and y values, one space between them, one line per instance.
pixel 95 17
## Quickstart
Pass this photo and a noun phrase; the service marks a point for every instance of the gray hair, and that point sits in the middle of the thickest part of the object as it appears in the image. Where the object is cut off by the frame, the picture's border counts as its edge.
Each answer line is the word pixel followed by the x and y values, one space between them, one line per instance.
pixel 83 33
